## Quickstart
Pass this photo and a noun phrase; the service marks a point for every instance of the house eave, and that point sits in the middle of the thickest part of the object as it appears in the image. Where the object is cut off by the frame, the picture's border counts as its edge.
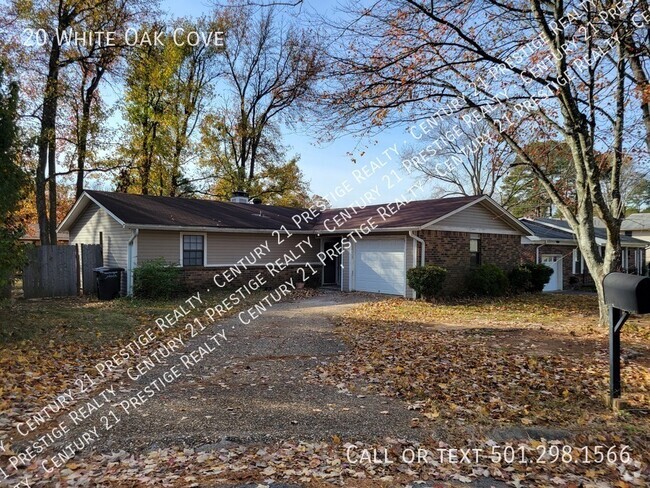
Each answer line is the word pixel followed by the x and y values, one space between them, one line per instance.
pixel 547 241
pixel 78 208
pixel 319 232
pixel 189 228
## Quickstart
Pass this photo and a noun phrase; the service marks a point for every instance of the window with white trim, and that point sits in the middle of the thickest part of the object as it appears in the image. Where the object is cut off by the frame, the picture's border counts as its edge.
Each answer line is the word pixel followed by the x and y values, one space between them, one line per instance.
pixel 193 250
pixel 624 259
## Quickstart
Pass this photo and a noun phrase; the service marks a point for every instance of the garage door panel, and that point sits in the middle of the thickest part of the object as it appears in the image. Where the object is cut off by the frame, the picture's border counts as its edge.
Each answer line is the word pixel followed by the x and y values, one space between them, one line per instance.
pixel 379 266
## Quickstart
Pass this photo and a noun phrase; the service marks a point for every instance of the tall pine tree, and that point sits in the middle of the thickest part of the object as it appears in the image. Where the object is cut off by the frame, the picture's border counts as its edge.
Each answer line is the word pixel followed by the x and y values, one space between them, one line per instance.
pixel 13 182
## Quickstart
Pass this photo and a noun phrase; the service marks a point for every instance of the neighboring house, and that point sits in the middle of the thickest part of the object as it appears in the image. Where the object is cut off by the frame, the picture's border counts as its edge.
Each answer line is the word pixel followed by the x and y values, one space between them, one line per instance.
pixel 235 239
pixel 33 236
pixel 637 225
pixel 554 244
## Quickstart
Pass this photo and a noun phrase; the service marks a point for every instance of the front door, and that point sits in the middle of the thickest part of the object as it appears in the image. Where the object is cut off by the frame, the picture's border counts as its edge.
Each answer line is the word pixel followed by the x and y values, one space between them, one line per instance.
pixel 331 268
pixel 553 261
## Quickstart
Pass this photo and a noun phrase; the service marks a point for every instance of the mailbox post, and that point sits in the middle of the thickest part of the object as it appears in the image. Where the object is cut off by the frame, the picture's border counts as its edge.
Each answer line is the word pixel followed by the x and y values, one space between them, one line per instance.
pixel 625 294
pixel 616 320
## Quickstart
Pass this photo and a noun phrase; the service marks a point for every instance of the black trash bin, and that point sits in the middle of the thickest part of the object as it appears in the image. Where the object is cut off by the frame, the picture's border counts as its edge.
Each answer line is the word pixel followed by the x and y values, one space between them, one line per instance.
pixel 108 281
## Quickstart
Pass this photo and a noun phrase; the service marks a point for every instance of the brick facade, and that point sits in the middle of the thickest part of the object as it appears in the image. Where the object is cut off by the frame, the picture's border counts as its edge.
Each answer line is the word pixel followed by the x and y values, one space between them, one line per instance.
pixel 450 250
pixel 200 277
pixel 570 281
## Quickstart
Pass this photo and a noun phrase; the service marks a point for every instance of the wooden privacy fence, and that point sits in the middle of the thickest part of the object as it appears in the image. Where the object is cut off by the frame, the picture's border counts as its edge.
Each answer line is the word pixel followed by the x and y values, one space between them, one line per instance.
pixel 91 258
pixel 60 271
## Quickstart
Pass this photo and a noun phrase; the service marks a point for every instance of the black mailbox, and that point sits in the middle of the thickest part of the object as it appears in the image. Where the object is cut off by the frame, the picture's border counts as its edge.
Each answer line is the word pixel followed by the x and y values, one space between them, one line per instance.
pixel 628 292
pixel 625 294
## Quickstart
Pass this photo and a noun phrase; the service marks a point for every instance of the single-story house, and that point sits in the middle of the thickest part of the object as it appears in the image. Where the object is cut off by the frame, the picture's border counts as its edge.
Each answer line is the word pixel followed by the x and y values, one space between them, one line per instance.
pixel 362 248
pixel 553 243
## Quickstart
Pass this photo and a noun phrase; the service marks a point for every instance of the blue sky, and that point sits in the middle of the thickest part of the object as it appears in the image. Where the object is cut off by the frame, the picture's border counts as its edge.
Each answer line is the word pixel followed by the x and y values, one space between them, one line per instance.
pixel 328 166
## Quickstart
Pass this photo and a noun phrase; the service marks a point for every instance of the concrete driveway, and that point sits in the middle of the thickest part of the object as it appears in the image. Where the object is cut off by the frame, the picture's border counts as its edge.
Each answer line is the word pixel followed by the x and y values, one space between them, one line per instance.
pixel 251 388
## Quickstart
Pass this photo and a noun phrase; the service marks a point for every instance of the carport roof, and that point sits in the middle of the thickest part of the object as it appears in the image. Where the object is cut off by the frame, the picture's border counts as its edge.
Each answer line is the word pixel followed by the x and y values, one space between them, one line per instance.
pixel 545 232
pixel 547 228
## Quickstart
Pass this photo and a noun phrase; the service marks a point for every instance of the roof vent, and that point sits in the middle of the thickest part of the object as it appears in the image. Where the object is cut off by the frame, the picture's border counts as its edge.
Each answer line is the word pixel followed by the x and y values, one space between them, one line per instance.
pixel 239 196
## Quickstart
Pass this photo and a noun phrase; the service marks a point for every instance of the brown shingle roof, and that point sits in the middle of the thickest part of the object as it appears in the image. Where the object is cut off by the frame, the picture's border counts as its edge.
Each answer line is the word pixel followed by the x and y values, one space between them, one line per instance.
pixel 141 210
pixel 412 214
pixel 189 212
pixel 32 233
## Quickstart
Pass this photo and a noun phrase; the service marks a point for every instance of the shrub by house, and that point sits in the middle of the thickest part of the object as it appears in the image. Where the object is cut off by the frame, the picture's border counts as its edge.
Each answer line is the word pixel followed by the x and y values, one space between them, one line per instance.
pixel 427 280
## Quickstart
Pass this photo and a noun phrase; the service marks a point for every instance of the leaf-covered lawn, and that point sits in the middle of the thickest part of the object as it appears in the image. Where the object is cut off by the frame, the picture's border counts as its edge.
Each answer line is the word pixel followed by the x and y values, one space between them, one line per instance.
pixel 518 370
pixel 564 313
pixel 47 345
pixel 475 368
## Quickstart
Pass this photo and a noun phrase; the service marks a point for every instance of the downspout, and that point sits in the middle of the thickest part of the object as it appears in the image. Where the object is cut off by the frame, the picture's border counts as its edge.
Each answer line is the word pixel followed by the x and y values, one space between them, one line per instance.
pixel 129 262
pixel 421 241
pixel 537 253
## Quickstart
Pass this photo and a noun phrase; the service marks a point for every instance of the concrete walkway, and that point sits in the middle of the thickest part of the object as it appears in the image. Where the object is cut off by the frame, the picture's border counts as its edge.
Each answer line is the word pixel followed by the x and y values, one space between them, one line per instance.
pixel 251 388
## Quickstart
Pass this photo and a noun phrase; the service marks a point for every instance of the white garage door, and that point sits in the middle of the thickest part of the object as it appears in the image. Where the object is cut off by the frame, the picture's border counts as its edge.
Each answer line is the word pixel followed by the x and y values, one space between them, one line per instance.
pixel 379 266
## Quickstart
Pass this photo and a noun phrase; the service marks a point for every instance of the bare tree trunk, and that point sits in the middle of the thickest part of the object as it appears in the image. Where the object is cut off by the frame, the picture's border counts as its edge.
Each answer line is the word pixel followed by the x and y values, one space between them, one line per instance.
pixel 179 144
pixel 41 205
pixel 639 73
pixel 51 180
pixel 147 163
pixel 644 85
pixel 81 156
pixel 47 151
pixel 84 128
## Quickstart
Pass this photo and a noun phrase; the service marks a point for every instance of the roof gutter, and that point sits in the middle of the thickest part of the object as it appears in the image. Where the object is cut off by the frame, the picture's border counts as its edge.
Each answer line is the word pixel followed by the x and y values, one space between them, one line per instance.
pixel 189 228
pixel 550 242
pixel 325 232
pixel 317 232
pixel 421 241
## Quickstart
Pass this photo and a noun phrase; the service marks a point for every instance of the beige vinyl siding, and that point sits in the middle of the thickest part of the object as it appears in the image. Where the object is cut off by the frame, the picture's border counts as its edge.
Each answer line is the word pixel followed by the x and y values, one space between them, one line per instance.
pixel 476 218
pixel 155 244
pixel 224 248
pixel 94 220
pixel 228 248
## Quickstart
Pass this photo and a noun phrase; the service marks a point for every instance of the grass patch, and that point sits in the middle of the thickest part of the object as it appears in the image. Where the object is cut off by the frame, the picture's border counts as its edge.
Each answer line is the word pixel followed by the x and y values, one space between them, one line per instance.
pixel 89 321
pixel 66 321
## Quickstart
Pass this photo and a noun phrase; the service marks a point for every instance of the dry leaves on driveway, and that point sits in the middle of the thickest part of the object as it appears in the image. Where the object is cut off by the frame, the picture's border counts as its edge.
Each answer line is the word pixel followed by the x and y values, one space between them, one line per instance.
pixel 324 464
